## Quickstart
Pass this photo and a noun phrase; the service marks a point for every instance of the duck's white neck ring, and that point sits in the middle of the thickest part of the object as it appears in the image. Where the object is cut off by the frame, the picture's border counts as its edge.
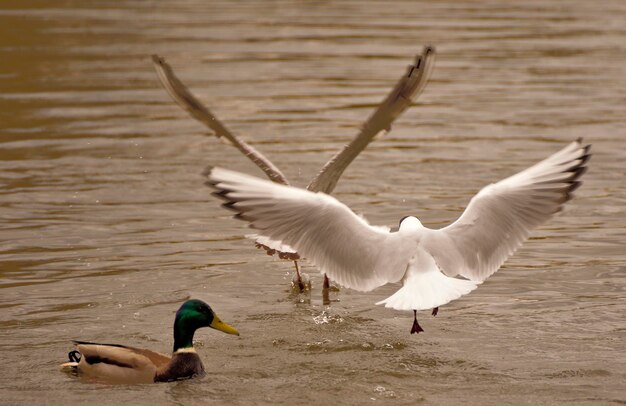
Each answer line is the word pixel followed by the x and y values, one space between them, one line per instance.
pixel 188 349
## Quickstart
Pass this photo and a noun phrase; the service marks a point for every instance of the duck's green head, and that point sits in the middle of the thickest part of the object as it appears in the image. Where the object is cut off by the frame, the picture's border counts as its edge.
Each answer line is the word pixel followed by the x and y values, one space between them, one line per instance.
pixel 192 315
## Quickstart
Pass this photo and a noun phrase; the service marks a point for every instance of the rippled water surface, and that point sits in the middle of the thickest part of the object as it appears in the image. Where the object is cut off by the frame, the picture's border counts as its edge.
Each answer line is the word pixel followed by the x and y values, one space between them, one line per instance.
pixel 106 226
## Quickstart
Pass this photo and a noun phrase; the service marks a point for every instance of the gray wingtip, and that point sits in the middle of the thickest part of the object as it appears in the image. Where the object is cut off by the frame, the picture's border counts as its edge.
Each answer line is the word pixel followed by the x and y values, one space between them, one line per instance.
pixel 157 60
pixel 428 50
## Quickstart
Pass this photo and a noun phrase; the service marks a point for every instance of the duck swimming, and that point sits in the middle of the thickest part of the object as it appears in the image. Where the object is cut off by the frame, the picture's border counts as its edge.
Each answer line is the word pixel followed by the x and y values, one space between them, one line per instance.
pixel 114 363
pixel 434 266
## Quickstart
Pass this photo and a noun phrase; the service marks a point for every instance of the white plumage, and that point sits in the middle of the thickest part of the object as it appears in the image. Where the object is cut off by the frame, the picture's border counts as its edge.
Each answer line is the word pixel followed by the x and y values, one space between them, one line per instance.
pixel 401 97
pixel 428 262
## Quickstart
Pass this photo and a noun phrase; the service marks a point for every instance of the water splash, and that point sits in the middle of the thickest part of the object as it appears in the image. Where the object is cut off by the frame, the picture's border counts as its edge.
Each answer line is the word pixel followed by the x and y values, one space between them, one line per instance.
pixel 326 318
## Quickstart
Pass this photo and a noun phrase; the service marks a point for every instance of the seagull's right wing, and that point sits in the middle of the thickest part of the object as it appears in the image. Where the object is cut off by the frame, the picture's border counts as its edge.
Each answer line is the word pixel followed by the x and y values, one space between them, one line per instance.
pixel 398 100
pixel 200 112
pixel 342 244
pixel 502 215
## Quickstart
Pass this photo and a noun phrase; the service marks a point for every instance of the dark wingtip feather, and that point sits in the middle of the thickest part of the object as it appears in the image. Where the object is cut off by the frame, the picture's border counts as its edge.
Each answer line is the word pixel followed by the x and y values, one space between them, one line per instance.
pixel 584 159
pixel 577 171
pixel 221 193
pixel 207 171
pixel 575 185
pixel 428 50
pixel 211 184
pixel 231 206
pixel 241 216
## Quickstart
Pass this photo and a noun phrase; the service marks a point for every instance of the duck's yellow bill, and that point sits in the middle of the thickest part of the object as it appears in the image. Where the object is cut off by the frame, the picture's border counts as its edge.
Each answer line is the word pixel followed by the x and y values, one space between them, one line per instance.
pixel 218 324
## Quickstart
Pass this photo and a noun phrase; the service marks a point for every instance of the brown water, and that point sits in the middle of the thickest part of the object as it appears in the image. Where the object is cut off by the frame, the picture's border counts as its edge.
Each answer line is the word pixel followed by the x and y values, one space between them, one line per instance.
pixel 106 225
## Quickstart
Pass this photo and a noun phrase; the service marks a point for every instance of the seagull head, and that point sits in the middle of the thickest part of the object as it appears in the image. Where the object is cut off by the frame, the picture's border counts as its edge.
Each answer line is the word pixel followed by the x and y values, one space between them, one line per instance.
pixel 409 223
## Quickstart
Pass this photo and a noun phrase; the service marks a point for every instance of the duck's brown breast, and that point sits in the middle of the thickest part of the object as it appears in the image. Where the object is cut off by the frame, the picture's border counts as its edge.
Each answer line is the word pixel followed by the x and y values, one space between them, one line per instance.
pixel 184 365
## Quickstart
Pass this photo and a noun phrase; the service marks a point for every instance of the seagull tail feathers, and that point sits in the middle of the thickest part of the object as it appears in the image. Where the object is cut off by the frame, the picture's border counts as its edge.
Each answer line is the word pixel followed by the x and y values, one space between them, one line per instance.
pixel 427 290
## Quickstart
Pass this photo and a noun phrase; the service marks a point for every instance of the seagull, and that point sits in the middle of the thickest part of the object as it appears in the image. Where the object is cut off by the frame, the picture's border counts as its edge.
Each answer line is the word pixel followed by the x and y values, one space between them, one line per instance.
pixel 434 266
pixel 398 100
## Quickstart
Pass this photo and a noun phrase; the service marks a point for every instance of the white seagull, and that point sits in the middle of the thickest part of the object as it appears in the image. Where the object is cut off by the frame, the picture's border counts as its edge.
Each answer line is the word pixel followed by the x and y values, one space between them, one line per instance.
pixel 399 99
pixel 435 266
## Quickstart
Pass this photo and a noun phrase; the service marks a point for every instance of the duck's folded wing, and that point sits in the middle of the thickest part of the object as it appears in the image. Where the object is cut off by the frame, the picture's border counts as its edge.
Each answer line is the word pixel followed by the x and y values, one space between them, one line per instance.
pixel 120 355
pixel 157 358
pixel 117 363
pixel 342 244
pixel 502 215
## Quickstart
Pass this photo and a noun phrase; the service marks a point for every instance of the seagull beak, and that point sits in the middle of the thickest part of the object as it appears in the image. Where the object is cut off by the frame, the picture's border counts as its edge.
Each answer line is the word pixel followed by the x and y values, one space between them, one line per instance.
pixel 218 324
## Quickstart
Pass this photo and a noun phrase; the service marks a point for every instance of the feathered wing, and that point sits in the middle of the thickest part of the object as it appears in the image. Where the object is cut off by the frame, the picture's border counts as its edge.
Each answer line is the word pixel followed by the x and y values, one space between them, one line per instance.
pixel 397 101
pixel 272 247
pixel 118 363
pixel 502 215
pixel 342 244
pixel 157 358
pixel 185 99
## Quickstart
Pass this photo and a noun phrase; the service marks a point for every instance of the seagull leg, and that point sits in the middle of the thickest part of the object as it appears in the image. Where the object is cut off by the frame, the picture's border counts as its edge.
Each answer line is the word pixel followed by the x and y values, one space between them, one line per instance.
pixel 326 283
pixel 298 277
pixel 435 311
pixel 416 326
pixel 325 297
pixel 325 291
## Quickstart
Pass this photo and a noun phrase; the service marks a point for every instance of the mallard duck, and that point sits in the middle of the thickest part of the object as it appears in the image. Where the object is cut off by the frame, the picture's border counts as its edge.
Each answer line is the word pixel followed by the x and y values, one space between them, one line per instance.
pixel 116 363
pixel 399 99
pixel 360 256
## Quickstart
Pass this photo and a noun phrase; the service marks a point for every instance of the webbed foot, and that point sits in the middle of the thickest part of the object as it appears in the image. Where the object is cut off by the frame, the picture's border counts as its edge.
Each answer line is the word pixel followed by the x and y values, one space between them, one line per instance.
pixel 416 329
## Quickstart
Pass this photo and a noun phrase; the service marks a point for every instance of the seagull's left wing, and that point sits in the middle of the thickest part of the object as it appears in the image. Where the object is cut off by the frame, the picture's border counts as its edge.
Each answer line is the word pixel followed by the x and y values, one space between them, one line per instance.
pixel 502 215
pixel 342 244
pixel 185 99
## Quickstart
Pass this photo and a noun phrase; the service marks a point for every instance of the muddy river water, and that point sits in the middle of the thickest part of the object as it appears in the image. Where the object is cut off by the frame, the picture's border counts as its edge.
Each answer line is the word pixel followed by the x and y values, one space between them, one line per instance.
pixel 106 226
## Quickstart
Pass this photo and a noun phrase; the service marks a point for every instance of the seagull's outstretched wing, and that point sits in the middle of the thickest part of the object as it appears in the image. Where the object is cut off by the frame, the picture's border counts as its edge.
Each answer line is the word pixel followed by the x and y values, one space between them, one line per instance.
pixel 502 215
pixel 342 244
pixel 408 88
pixel 397 101
pixel 200 112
